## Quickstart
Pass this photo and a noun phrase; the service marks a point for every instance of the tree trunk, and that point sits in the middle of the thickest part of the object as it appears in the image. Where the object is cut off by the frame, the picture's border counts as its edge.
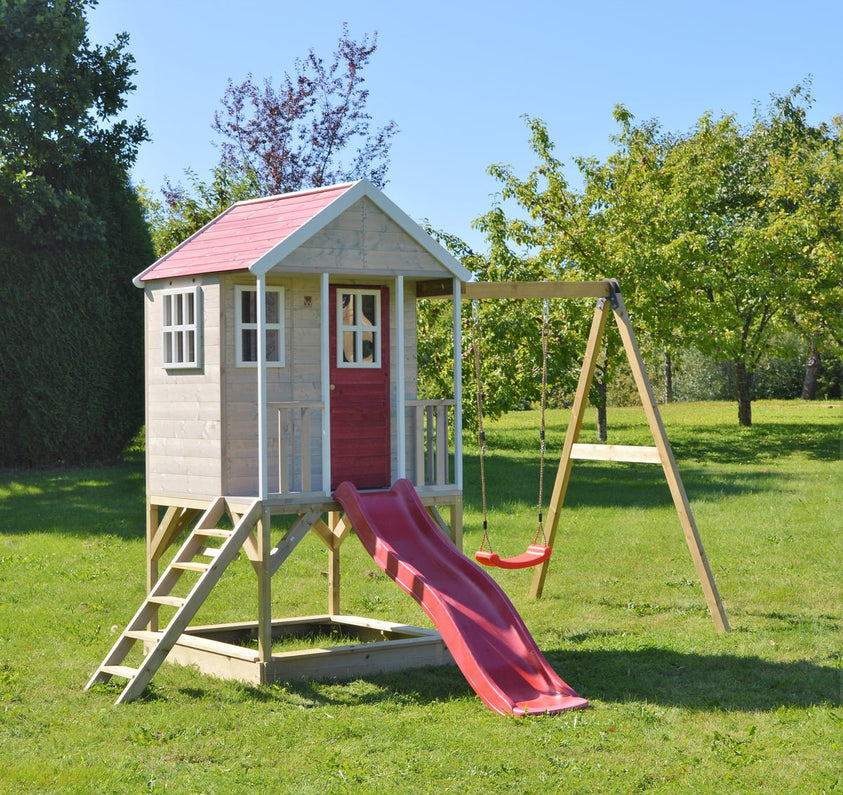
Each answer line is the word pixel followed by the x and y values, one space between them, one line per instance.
pixel 812 371
pixel 602 400
pixel 743 381
pixel 668 378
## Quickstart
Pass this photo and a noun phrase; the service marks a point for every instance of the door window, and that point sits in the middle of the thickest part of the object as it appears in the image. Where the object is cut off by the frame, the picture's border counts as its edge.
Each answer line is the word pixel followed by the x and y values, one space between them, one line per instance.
pixel 359 327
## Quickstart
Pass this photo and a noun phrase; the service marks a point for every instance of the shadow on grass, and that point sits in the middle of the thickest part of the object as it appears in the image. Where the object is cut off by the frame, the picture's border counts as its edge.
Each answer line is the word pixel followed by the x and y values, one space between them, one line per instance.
pixel 697 681
pixel 764 441
pixel 653 676
pixel 512 480
pixel 714 443
pixel 75 502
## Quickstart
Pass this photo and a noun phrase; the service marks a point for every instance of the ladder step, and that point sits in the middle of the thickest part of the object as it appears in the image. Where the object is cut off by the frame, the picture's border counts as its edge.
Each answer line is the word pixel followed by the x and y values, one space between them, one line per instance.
pixel 143 634
pixel 124 671
pixel 172 601
pixel 190 565
pixel 212 532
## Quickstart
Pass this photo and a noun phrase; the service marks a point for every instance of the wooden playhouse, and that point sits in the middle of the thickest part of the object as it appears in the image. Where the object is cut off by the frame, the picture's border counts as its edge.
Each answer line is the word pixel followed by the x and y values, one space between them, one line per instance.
pixel 280 361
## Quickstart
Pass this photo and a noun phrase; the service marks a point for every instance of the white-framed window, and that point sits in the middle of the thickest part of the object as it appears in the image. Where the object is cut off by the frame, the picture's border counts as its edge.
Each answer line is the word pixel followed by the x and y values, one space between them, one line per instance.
pixel 181 328
pixel 246 326
pixel 358 328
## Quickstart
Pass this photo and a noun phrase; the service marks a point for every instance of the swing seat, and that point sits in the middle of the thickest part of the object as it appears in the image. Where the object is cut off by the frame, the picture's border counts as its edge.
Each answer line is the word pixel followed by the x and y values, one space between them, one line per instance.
pixel 534 555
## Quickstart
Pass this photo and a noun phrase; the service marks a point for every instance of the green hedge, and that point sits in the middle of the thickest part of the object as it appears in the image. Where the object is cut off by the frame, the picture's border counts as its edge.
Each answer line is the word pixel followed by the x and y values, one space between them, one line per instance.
pixel 71 336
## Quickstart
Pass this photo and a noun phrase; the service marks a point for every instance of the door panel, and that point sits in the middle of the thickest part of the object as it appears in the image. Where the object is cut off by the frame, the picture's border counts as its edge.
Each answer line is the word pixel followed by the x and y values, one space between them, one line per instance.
pixel 360 407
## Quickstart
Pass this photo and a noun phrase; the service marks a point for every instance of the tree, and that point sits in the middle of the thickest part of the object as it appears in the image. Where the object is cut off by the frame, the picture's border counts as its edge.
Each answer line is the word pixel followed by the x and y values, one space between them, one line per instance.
pixel 312 130
pixel 72 236
pixel 721 237
pixel 295 136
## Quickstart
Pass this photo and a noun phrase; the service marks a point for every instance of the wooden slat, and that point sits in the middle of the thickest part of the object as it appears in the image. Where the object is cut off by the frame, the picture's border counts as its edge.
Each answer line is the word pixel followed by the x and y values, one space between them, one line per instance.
pixel 443 288
pixel 123 671
pixel 418 437
pixel 472 290
pixel 190 565
pixel 627 453
pixel 172 601
pixel 292 537
pixel 304 436
pixel 441 445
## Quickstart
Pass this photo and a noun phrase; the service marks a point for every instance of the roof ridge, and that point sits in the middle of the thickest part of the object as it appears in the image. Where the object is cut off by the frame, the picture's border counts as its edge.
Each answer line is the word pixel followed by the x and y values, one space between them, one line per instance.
pixel 295 193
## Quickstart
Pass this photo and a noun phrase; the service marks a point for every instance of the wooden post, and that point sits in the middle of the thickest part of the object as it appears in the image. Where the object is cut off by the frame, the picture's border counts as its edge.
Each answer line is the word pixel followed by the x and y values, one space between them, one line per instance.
pixel 671 472
pixel 265 587
pixel 563 473
pixel 151 559
pixel 334 565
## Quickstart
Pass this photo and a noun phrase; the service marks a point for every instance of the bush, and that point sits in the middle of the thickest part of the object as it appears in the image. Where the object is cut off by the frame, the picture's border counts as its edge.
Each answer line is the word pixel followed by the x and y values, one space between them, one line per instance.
pixel 71 337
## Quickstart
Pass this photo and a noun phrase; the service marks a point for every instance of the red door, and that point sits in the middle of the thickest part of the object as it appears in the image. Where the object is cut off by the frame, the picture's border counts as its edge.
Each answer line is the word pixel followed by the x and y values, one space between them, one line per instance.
pixel 360 415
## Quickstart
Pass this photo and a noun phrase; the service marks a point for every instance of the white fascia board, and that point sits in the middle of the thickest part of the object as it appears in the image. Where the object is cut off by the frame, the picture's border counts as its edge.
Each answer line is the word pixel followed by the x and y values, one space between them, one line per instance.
pixel 362 188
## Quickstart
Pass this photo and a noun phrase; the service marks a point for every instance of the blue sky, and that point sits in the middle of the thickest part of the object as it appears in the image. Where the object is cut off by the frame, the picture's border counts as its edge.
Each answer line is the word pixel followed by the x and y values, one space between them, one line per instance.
pixel 457 77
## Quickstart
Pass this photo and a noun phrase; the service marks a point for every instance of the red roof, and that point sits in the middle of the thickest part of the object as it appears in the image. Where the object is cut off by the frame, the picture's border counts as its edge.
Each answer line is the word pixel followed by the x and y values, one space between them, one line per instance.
pixel 243 234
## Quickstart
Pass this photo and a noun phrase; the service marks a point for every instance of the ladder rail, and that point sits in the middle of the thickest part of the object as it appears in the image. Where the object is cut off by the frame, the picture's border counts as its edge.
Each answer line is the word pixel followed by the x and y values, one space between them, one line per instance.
pixel 186 607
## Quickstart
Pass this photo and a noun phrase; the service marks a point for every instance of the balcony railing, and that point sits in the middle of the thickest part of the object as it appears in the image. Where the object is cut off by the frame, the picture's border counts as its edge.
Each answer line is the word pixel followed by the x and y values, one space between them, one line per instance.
pixel 299 462
pixel 430 422
pixel 298 425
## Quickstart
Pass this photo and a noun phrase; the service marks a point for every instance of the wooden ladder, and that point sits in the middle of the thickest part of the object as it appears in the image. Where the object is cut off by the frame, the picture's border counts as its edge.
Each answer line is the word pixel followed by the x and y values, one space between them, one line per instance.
pixel 194 555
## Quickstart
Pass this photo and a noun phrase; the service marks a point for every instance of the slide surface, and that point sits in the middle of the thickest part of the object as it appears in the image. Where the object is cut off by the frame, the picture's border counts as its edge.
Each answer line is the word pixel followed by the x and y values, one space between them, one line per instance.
pixel 480 626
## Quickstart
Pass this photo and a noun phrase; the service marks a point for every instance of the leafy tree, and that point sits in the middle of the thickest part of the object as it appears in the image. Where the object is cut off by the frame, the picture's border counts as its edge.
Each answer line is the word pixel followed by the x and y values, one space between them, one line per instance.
pixel 312 130
pixel 181 211
pixel 294 136
pixel 71 238
pixel 721 237
pixel 507 334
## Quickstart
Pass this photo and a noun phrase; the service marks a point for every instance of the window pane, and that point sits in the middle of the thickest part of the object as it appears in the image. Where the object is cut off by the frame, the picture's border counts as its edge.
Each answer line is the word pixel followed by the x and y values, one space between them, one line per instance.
pixel 178 345
pixel 168 310
pixel 272 347
pixel 272 307
pixel 368 347
pixel 178 318
pixel 369 316
pixel 349 313
pixel 248 306
pixel 168 347
pixel 249 342
pixel 189 313
pixel 190 347
pixel 348 346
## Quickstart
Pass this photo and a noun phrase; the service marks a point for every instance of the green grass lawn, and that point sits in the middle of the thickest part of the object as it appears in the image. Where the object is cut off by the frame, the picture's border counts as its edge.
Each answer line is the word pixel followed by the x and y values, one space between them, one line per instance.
pixel 675 706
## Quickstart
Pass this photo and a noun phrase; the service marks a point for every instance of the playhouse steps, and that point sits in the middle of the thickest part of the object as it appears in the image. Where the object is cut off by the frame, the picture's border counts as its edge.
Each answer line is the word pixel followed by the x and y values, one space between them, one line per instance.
pixel 159 643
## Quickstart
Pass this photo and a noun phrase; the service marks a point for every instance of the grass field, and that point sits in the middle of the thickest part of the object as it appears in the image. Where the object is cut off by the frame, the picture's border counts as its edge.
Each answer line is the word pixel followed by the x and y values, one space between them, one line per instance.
pixel 675 707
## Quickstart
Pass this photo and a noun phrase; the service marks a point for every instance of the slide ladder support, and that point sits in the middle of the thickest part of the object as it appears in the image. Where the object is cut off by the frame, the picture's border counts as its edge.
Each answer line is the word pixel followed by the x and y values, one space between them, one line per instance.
pixel 198 554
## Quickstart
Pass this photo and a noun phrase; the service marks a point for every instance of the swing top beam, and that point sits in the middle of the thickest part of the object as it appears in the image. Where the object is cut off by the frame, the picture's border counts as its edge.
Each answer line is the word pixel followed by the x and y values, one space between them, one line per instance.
pixel 443 288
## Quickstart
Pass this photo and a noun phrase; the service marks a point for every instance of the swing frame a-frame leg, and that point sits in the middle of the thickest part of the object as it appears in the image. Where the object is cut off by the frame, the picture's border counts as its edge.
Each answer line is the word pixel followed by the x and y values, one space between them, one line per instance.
pixel 661 453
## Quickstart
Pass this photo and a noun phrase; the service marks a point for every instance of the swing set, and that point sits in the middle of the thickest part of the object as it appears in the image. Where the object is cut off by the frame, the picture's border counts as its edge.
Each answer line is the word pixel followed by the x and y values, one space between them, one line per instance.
pixel 538 554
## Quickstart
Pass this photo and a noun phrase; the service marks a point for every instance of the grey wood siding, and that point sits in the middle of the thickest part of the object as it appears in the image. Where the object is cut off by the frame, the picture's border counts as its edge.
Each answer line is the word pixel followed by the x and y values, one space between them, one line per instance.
pixel 183 410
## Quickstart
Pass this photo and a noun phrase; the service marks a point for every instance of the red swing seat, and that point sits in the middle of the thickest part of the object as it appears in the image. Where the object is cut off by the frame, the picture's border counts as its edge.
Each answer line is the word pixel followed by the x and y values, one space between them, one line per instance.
pixel 533 556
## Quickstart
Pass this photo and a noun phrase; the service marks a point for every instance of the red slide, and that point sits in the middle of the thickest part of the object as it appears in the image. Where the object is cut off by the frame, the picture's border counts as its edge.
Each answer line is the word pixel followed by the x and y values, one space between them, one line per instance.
pixel 481 627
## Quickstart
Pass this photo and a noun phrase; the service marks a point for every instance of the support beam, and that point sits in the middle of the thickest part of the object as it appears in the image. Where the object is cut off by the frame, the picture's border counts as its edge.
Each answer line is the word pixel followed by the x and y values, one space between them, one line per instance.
pixel 440 288
pixel 400 394
pixel 671 471
pixel 325 377
pixel 456 288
